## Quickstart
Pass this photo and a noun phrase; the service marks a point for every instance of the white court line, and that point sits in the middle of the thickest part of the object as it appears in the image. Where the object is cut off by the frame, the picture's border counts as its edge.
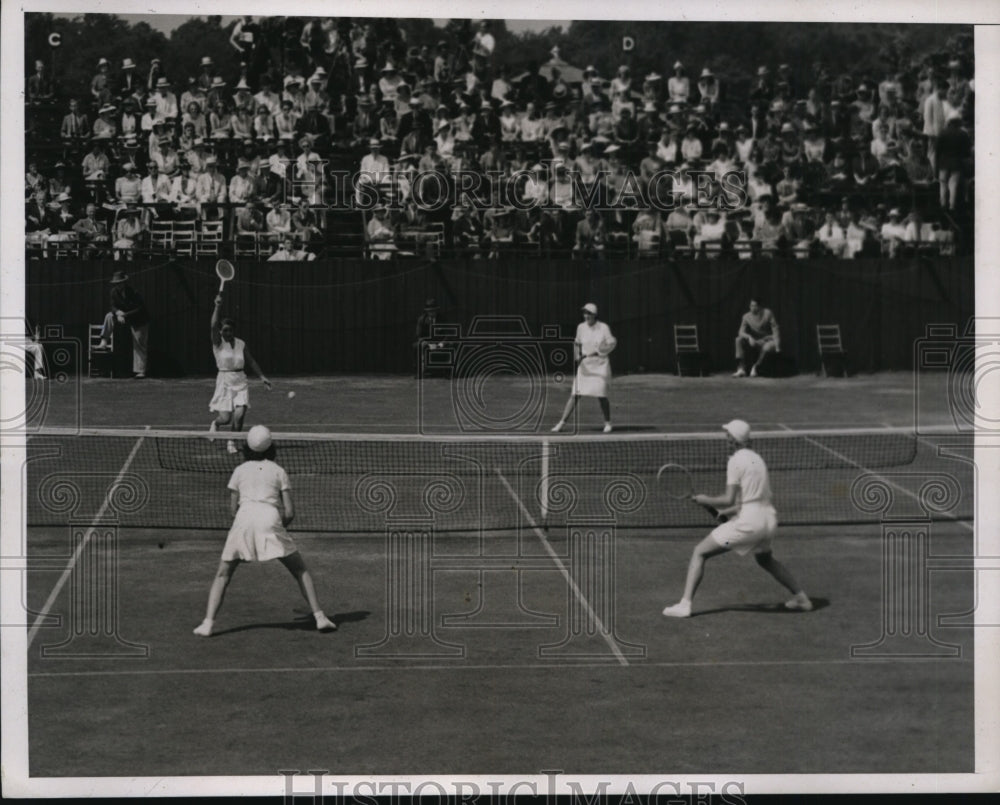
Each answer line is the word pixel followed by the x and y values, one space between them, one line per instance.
pixel 562 569
pixel 83 544
pixel 907 492
pixel 554 666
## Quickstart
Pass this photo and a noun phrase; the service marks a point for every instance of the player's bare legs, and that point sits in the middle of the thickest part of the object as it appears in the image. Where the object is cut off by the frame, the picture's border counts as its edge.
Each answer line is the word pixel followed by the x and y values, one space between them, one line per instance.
pixel 704 550
pixel 570 405
pixel 223 575
pixel 297 567
pixel 785 578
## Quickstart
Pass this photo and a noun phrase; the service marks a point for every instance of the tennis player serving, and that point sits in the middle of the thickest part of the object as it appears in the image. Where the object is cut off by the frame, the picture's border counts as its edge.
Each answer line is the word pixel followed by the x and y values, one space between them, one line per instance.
pixel 594 342
pixel 749 488
pixel 261 503
pixel 232 389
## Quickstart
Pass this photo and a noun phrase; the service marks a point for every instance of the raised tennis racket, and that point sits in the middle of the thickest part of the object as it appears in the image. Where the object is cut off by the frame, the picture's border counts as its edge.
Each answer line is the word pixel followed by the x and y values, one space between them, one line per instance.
pixel 607 346
pixel 676 482
pixel 225 271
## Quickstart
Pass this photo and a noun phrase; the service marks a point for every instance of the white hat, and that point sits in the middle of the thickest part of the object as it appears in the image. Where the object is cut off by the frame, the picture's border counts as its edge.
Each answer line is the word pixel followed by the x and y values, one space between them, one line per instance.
pixel 259 438
pixel 590 307
pixel 738 429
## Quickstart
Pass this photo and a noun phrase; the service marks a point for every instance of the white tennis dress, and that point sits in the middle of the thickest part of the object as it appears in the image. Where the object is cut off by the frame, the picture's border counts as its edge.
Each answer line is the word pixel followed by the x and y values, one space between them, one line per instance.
pixel 232 389
pixel 257 533
pixel 753 528
pixel 594 373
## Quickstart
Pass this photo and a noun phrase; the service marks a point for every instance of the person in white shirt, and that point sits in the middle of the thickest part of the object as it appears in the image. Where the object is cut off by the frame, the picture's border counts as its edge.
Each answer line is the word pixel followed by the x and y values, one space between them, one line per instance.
pixel 166 101
pixel 261 503
pixel 748 496
pixel 832 235
pixel 241 185
pixel 211 189
pixel 893 233
pixel 594 343
pixel 155 187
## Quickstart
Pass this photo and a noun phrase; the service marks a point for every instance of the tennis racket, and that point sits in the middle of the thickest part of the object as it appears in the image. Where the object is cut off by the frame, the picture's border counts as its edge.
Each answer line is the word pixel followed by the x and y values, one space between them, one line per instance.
pixel 225 271
pixel 676 482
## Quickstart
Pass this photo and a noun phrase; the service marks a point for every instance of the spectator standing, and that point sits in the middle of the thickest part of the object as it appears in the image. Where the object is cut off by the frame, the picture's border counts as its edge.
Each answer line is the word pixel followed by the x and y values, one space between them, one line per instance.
pixel 934 119
pixel 954 150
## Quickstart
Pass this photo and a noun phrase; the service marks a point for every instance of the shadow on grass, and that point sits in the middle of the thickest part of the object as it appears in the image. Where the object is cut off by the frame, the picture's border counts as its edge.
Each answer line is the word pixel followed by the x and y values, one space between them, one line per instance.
pixel 303 622
pixel 768 609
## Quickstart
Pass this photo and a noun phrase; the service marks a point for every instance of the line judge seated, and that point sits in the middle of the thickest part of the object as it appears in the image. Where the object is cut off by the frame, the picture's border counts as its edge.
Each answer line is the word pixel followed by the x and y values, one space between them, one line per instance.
pixel 758 330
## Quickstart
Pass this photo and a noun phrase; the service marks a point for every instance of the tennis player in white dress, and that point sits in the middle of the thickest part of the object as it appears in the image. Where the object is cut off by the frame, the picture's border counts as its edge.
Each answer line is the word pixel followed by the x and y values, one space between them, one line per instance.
pixel 261 502
pixel 232 389
pixel 748 492
pixel 594 343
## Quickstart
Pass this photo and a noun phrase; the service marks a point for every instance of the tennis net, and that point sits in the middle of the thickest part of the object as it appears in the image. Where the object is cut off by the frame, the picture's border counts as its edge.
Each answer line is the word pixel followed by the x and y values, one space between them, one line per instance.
pixel 356 483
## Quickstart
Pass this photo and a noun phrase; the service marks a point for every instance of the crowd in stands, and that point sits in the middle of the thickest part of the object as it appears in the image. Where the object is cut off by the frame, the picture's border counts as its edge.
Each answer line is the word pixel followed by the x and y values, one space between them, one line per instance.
pixel 351 121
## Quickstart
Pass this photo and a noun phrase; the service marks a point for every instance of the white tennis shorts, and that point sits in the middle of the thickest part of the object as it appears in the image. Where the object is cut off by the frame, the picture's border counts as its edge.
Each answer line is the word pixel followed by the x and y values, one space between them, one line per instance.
pixel 753 530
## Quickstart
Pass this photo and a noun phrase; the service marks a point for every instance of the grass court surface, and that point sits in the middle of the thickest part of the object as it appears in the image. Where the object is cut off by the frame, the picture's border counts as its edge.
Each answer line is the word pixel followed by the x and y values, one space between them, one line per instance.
pixel 518 665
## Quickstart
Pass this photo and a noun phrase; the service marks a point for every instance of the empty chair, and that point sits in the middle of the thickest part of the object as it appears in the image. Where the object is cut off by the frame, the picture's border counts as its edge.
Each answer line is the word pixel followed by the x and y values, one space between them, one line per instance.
pixel 688 350
pixel 832 357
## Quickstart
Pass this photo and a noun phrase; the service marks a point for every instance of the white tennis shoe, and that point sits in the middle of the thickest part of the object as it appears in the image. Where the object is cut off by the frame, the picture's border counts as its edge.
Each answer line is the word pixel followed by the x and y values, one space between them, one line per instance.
pixel 740 372
pixel 324 624
pixel 800 603
pixel 682 609
pixel 558 426
pixel 204 629
pixel 607 427
pixel 231 447
pixel 753 371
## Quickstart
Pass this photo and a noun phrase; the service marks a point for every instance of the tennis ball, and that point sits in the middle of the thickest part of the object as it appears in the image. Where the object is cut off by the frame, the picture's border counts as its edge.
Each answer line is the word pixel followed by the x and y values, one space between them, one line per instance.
pixel 291 395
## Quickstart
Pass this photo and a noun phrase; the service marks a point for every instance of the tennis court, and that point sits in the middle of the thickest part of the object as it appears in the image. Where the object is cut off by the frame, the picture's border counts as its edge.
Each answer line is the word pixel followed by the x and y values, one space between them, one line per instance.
pixel 532 643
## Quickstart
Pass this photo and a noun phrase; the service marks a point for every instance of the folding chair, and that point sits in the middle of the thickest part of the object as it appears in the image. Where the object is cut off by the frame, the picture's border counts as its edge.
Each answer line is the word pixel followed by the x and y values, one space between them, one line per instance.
pixel 161 236
pixel 831 350
pixel 100 360
pixel 209 238
pixel 688 350
pixel 245 245
pixel 184 238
